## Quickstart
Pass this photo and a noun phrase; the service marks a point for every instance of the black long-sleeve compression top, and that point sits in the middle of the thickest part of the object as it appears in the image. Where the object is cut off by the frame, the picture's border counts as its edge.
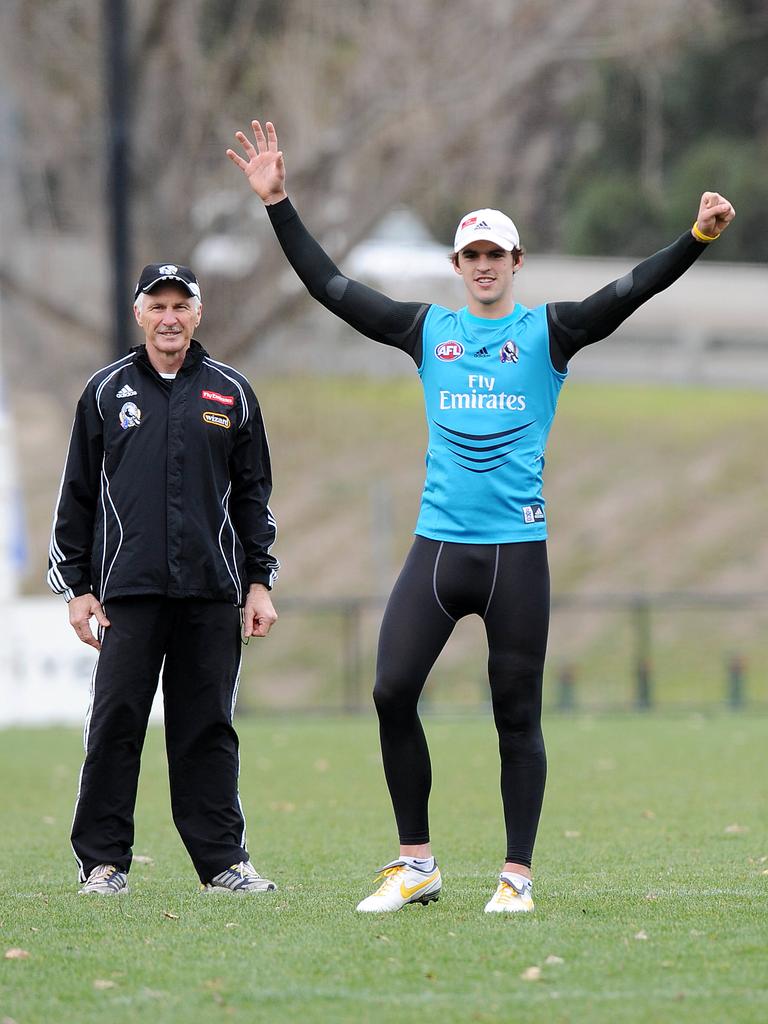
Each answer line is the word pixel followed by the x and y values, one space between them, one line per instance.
pixel 572 325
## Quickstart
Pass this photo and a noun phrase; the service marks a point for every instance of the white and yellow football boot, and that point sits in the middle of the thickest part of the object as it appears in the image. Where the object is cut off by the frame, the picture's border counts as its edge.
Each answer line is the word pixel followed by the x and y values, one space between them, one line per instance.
pixel 512 896
pixel 400 884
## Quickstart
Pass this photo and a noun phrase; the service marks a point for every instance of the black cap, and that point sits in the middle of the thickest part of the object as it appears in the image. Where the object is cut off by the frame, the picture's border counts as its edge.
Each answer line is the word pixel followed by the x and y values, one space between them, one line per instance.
pixel 155 273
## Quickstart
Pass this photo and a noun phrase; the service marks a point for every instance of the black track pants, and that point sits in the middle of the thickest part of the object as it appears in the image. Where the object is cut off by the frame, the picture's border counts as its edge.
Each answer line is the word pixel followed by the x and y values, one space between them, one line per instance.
pixel 507 585
pixel 199 642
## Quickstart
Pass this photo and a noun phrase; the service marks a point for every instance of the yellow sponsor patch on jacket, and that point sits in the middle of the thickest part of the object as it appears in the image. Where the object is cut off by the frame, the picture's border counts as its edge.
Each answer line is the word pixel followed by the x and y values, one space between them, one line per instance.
pixel 217 419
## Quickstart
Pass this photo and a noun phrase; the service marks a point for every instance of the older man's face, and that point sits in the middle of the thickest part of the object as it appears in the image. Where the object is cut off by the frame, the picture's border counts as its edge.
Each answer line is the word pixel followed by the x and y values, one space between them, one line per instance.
pixel 168 317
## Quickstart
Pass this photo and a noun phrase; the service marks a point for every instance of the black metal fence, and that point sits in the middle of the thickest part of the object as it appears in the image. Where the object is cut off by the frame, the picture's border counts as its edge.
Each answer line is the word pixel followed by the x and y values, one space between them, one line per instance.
pixel 735 655
pixel 606 652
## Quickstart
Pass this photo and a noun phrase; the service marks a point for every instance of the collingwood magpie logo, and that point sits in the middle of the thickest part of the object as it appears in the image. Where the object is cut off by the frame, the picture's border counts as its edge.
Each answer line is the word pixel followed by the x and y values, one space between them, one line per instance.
pixel 169 268
pixel 130 416
pixel 509 352
pixel 126 392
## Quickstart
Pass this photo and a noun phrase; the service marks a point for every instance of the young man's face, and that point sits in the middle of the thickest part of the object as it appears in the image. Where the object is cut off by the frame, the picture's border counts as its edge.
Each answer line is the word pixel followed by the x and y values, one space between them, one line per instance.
pixel 487 272
pixel 168 317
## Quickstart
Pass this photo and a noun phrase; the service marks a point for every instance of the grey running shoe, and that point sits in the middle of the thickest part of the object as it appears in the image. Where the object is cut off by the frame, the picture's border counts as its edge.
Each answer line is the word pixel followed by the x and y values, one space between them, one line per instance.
pixel 240 880
pixel 105 880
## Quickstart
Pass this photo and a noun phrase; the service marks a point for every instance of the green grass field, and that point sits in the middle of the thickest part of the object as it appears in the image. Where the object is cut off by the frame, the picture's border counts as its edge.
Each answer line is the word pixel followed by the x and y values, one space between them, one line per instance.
pixel 651 882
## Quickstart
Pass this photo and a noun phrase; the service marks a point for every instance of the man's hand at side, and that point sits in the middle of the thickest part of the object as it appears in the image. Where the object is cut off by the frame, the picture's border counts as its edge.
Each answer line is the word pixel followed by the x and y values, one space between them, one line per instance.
pixel 258 615
pixel 80 611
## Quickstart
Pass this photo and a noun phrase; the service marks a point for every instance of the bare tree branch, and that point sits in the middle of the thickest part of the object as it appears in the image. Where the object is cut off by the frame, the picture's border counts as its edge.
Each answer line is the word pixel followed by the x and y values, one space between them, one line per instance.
pixel 377 104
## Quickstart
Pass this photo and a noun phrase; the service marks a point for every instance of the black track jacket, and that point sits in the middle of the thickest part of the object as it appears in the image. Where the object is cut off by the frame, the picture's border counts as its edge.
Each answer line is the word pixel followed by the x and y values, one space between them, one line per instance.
pixel 165 486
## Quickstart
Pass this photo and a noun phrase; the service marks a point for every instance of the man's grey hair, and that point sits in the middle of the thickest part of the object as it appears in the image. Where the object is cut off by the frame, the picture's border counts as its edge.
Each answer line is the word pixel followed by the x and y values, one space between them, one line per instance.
pixel 138 302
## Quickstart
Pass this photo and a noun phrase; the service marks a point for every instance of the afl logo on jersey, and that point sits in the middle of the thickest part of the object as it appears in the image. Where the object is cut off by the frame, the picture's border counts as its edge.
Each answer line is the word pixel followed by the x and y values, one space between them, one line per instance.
pixel 449 351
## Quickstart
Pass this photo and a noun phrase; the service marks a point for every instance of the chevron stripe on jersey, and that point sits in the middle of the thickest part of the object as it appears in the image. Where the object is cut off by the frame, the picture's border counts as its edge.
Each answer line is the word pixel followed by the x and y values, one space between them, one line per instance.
pixel 498 458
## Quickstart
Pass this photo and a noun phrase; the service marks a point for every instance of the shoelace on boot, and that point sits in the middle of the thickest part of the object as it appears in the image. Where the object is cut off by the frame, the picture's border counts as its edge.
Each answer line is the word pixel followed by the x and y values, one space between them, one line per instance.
pixel 391 876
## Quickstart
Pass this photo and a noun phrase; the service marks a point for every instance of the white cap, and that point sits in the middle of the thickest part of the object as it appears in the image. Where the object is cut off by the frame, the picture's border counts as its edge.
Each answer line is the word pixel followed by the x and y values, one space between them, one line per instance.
pixel 488 226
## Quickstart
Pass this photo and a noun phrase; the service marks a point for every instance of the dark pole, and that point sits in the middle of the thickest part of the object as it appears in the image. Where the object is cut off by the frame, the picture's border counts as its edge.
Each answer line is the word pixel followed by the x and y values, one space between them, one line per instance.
pixel 736 673
pixel 352 656
pixel 118 172
pixel 643 680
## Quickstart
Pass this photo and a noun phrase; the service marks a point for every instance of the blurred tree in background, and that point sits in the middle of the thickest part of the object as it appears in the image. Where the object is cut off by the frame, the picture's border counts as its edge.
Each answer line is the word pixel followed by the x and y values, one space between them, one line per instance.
pixel 597 123
pixel 690 117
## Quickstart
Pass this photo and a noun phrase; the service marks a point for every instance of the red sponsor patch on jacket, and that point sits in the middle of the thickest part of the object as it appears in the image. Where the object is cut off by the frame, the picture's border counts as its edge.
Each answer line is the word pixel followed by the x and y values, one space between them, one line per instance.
pixel 214 396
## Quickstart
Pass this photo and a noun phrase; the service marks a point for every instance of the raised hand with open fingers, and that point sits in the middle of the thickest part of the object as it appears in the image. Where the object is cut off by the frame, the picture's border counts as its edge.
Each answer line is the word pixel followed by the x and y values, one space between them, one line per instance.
pixel 714 216
pixel 263 165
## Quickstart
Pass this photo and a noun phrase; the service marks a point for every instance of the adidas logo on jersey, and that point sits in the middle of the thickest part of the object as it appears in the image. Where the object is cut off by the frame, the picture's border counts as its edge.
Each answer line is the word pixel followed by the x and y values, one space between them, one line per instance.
pixel 482 353
pixel 533 514
pixel 126 392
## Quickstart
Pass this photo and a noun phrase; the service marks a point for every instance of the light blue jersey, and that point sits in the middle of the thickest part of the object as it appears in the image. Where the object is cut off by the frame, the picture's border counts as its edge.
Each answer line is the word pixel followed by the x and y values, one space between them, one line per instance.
pixel 490 392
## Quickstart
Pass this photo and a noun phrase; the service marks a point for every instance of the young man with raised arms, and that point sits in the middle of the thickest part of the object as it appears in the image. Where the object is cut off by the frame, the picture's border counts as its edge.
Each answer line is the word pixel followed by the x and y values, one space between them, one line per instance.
pixel 492 373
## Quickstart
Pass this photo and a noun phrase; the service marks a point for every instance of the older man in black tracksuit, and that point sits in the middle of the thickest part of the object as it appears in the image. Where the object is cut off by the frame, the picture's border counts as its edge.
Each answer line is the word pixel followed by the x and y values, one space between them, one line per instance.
pixel 162 533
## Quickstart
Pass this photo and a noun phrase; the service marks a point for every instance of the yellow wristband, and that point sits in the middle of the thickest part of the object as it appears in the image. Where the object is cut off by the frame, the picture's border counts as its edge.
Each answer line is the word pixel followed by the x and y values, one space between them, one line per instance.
pixel 698 233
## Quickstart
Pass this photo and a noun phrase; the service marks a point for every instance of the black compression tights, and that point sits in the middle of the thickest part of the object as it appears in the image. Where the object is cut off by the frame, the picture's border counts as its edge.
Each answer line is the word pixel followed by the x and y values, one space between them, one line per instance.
pixel 507 585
